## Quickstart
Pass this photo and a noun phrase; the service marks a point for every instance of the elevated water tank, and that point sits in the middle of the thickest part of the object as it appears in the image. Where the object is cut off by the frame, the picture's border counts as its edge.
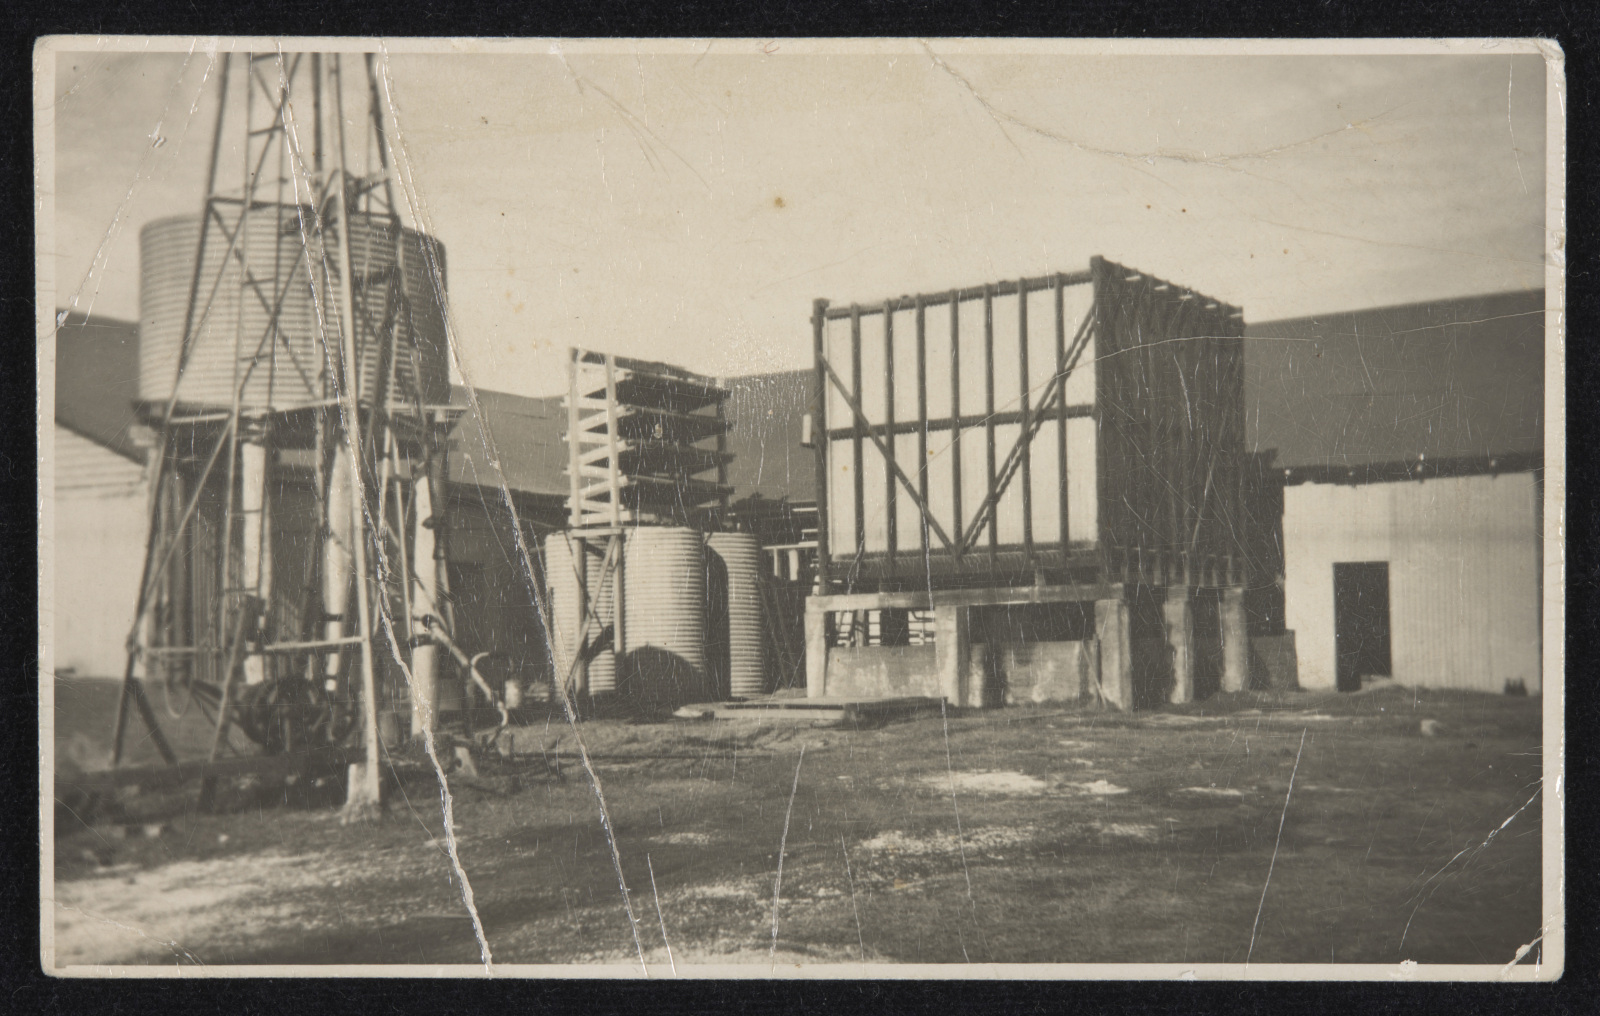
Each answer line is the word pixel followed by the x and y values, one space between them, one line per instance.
pixel 562 584
pixel 742 614
pixel 269 267
pixel 664 615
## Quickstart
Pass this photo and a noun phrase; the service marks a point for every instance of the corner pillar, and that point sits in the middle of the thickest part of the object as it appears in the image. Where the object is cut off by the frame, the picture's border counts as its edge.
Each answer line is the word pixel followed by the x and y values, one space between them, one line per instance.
pixel 1177 610
pixel 816 650
pixel 1235 640
pixel 952 650
pixel 1111 631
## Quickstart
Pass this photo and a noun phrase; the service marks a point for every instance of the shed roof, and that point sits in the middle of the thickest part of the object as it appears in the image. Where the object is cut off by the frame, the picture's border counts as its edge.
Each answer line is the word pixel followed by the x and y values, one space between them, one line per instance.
pixel 1447 379
pixel 97 380
pixel 766 410
pixel 526 435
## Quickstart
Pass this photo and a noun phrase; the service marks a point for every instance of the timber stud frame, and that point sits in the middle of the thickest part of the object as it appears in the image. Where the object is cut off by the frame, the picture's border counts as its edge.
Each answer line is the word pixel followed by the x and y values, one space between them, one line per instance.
pixel 1153 441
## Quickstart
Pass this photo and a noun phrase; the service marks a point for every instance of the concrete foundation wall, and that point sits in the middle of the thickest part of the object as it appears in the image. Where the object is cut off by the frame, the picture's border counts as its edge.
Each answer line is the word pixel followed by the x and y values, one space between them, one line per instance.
pixel 1463 555
pixel 1042 671
pixel 882 671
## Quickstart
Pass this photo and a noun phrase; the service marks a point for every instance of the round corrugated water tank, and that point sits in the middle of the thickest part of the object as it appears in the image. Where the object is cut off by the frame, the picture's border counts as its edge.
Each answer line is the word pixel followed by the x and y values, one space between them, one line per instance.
pixel 741 612
pixel 562 584
pixel 268 268
pixel 664 614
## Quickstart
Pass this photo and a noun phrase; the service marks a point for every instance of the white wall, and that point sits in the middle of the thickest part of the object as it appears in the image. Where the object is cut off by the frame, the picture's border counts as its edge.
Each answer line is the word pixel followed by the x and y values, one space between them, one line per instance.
pixel 100 531
pixel 1463 575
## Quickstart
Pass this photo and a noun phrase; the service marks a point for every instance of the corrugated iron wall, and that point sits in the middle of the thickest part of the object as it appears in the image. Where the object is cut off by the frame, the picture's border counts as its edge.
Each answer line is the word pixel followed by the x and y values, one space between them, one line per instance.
pixel 1463 557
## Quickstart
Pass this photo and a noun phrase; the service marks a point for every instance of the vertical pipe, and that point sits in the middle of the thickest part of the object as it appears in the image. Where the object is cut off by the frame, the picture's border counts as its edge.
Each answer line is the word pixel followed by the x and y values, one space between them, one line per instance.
pixel 955 416
pixel 820 439
pixel 892 522
pixel 1061 415
pixel 857 434
pixel 1025 436
pixel 988 421
pixel 922 423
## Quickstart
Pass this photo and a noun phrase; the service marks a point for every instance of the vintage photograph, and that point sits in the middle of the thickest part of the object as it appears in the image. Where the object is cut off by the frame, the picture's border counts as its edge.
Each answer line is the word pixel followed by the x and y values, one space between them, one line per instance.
pixel 775 508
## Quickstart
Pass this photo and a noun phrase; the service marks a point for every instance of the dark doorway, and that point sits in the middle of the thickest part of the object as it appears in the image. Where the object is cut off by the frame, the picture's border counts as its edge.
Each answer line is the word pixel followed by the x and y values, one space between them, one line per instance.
pixel 1361 622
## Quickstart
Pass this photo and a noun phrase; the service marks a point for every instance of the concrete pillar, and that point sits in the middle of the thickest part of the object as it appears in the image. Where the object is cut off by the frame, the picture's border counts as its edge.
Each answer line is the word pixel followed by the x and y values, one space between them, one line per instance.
pixel 816 650
pixel 338 561
pixel 424 601
pixel 1235 640
pixel 1112 626
pixel 255 560
pixel 952 649
pixel 1177 610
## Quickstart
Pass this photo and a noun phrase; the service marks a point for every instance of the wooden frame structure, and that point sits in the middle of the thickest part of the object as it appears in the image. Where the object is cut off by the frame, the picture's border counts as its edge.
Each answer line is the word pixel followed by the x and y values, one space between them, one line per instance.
pixel 1166 410
pixel 1104 462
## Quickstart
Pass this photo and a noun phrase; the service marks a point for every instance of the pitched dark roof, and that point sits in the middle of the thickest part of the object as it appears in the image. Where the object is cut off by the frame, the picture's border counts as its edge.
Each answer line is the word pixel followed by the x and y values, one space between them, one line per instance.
pixel 766 412
pixel 1447 379
pixel 97 379
pixel 526 434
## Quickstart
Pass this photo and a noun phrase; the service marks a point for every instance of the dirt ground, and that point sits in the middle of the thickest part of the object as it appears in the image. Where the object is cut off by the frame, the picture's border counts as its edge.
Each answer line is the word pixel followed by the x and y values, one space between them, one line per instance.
pixel 1017 835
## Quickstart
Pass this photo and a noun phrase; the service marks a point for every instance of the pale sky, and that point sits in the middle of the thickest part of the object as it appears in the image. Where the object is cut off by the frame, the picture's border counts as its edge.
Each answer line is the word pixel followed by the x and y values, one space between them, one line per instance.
pixel 689 205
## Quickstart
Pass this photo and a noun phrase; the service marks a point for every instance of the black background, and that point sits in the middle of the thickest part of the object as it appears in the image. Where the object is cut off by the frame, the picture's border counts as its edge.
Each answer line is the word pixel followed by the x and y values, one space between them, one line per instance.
pixel 26 989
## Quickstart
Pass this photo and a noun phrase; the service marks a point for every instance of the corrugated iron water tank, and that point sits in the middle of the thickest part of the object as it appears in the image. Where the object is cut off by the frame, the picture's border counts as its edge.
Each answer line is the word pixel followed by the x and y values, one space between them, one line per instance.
pixel 664 615
pixel 270 266
pixel 561 567
pixel 741 612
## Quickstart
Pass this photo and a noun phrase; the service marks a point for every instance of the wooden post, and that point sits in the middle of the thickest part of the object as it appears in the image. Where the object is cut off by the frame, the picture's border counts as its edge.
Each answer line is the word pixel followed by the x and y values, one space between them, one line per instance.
pixel 1061 419
pixel 922 423
pixel 858 472
pixel 891 520
pixel 988 420
pixel 819 324
pixel 1027 443
pixel 955 417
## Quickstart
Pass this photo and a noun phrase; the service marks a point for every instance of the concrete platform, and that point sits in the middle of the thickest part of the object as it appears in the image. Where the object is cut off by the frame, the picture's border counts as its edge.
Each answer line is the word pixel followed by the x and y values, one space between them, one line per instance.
pixel 789 709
